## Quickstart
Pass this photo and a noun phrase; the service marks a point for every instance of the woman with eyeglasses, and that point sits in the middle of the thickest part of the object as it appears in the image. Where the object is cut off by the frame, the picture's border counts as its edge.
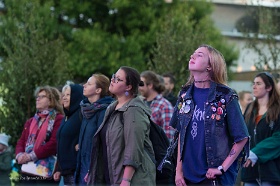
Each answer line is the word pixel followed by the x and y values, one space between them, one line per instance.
pixel 93 107
pixel 123 147
pixel 263 121
pixel 38 138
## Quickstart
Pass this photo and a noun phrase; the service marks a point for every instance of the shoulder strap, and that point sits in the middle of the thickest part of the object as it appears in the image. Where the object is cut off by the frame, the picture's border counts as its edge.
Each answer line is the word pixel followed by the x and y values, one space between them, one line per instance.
pixel 151 122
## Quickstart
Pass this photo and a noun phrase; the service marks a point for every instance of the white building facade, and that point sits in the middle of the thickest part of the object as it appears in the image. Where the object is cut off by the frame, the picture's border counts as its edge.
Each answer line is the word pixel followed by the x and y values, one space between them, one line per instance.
pixel 226 14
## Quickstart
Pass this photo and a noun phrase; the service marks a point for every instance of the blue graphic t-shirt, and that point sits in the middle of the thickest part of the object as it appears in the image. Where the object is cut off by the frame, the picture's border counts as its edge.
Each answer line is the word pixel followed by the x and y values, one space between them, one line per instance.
pixel 194 155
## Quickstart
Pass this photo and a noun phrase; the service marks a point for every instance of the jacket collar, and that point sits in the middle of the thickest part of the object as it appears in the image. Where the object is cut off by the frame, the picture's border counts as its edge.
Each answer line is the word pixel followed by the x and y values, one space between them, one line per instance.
pixel 132 103
pixel 212 92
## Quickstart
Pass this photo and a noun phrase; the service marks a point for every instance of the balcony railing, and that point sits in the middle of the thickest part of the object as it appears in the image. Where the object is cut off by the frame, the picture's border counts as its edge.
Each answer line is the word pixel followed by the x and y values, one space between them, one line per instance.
pixel 266 3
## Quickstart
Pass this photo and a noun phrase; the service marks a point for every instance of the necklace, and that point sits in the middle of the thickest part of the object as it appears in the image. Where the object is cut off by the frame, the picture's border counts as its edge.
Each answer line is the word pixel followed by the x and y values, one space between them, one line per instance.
pixel 202 81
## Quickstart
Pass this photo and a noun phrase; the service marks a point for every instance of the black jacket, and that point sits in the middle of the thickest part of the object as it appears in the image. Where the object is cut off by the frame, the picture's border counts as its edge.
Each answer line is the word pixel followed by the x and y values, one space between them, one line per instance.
pixel 68 133
pixel 171 98
pixel 269 170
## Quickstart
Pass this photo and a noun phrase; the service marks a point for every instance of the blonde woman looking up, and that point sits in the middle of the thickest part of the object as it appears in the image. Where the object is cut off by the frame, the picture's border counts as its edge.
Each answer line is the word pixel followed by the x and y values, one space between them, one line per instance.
pixel 212 130
pixel 93 107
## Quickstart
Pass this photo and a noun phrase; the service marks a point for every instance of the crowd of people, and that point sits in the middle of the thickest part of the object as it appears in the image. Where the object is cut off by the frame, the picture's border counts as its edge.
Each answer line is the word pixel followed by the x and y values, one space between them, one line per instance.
pixel 99 131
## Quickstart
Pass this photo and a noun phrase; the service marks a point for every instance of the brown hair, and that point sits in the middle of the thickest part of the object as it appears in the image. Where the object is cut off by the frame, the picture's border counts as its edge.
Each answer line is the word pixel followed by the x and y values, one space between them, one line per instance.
pixel 152 78
pixel 273 105
pixel 54 96
pixel 170 76
pixel 132 78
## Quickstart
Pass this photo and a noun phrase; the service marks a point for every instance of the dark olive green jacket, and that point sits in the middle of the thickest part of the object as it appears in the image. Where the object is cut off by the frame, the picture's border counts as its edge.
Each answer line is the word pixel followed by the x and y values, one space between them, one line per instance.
pixel 128 144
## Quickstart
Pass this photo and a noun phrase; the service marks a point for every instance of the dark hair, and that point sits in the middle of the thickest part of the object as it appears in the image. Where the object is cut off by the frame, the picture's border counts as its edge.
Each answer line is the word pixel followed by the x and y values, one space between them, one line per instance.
pixel 170 76
pixel 273 105
pixel 132 78
pixel 152 78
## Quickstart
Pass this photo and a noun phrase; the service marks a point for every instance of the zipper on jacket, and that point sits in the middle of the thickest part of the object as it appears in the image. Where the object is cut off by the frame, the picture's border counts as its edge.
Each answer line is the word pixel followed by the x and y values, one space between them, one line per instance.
pixel 258 180
pixel 271 125
pixel 255 133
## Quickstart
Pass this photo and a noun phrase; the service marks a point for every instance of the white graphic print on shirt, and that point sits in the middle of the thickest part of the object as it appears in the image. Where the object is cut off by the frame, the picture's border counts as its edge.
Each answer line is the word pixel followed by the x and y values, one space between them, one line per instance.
pixel 198 116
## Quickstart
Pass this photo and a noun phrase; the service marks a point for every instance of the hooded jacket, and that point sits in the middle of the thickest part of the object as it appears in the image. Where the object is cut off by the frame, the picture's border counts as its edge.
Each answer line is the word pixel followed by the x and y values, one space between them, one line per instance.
pixel 128 143
pixel 68 132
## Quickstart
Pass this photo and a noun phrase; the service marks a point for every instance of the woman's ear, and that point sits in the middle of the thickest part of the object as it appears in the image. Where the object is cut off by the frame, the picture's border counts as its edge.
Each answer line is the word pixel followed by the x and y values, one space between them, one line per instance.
pixel 98 90
pixel 269 89
pixel 128 88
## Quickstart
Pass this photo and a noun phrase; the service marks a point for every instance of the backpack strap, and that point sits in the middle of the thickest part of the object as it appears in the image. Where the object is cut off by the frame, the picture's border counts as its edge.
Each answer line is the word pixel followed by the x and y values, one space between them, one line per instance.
pixel 150 155
pixel 170 151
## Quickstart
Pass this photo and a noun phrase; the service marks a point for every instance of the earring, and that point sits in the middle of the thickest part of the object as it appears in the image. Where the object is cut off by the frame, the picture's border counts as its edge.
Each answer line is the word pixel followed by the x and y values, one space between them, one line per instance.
pixel 207 70
pixel 126 93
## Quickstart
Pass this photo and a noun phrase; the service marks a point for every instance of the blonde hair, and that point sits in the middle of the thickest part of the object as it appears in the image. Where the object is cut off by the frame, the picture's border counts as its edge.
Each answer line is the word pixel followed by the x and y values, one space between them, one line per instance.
pixel 217 62
pixel 102 82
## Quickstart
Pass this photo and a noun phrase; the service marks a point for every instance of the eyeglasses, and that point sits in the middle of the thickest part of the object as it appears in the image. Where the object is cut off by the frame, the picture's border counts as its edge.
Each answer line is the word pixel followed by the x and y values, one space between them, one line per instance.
pixel 41 97
pixel 115 79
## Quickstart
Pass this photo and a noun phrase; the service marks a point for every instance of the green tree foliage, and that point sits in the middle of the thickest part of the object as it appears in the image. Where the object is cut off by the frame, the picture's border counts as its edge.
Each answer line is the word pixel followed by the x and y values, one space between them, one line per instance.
pixel 33 55
pixel 98 36
pixel 264 38
pixel 109 34
pixel 98 51
pixel 186 26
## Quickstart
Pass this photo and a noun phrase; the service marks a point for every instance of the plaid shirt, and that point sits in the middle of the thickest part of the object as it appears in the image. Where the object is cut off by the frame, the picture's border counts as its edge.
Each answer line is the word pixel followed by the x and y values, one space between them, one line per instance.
pixel 162 111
